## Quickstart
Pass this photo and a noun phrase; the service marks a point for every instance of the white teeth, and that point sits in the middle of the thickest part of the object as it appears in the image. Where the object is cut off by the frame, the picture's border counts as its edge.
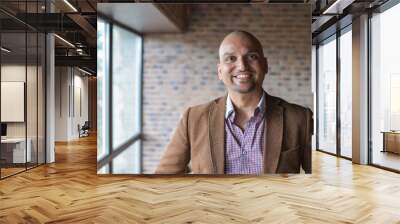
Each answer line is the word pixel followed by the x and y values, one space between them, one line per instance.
pixel 242 76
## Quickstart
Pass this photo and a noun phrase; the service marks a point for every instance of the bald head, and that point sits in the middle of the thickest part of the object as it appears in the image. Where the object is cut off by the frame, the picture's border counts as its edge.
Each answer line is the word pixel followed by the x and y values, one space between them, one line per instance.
pixel 242 65
pixel 240 36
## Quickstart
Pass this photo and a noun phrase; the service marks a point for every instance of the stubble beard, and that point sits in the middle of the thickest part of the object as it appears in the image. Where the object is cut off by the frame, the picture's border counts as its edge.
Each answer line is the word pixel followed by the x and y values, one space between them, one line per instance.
pixel 236 87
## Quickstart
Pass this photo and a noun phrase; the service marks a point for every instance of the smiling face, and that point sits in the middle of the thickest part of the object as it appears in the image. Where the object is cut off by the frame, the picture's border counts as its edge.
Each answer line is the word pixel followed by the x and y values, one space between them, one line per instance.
pixel 242 65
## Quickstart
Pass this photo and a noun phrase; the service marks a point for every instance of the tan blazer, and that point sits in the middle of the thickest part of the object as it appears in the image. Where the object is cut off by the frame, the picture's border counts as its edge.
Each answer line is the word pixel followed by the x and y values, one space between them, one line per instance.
pixel 199 139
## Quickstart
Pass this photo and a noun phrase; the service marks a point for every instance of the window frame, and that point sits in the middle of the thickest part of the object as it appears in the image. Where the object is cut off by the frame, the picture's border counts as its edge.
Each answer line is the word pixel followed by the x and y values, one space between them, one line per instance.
pixel 335 36
pixel 28 29
pixel 111 152
pixel 378 10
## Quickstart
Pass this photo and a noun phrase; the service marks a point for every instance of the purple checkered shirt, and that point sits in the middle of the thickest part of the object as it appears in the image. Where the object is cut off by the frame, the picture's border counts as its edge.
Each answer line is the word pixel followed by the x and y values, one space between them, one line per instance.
pixel 244 148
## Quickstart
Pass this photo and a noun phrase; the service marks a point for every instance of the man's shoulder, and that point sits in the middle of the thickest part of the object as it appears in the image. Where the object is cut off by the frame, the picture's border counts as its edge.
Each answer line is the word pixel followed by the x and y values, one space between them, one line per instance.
pixel 204 108
pixel 291 107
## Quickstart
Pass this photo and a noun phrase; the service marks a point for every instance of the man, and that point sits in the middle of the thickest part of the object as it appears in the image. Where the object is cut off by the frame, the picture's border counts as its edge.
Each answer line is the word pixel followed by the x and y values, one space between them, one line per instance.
pixel 245 132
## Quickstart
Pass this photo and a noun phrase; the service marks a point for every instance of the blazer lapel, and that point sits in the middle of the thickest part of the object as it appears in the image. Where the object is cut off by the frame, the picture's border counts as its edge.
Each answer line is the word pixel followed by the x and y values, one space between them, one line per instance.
pixel 273 134
pixel 217 134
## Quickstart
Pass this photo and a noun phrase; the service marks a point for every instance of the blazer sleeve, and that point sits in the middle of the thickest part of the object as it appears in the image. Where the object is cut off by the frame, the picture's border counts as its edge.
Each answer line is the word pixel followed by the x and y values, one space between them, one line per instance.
pixel 306 155
pixel 177 153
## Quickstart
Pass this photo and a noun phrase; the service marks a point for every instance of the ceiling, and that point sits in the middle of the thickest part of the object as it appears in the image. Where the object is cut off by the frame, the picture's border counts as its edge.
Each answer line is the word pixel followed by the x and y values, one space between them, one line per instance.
pixel 76 21
pixel 141 17
pixel 336 14
pixel 73 20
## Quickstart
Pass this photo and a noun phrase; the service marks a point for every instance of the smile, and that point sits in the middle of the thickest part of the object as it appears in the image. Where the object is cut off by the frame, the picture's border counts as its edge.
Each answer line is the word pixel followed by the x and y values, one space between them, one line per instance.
pixel 243 76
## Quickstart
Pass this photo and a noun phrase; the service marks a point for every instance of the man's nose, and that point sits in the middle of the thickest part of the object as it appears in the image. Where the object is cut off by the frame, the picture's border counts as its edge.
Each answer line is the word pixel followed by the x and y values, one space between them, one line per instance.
pixel 242 64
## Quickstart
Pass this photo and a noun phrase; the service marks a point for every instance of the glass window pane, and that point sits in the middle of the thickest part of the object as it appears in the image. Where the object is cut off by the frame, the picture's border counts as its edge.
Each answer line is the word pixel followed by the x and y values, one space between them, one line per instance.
pixel 31 101
pixel 13 87
pixel 327 96
pixel 385 87
pixel 346 94
pixel 101 88
pixel 125 86
pixel 127 162
pixel 104 170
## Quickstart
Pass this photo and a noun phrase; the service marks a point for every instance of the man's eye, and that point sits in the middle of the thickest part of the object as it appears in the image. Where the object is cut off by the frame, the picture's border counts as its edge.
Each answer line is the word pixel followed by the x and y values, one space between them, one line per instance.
pixel 230 58
pixel 253 56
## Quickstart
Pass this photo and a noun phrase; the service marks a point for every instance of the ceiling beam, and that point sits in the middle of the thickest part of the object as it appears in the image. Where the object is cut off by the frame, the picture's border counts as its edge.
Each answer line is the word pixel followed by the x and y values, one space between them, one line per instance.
pixel 176 13
pixel 86 27
pixel 83 61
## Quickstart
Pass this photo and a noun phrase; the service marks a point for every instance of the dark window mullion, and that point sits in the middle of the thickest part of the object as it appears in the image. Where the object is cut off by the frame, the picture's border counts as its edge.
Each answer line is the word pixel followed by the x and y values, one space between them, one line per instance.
pixel 369 91
pixel 317 96
pixel 37 98
pixel 37 90
pixel 26 86
pixel 338 73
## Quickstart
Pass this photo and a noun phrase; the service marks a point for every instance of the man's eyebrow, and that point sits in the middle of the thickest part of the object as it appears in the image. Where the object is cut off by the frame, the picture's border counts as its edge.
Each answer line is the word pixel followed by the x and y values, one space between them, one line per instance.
pixel 227 53
pixel 231 53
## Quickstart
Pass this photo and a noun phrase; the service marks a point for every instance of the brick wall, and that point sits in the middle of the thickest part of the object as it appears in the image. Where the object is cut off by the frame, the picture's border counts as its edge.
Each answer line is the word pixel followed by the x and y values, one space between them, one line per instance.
pixel 180 69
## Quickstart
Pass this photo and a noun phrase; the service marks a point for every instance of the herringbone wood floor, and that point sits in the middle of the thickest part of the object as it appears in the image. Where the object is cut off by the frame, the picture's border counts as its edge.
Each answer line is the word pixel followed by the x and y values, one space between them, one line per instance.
pixel 69 191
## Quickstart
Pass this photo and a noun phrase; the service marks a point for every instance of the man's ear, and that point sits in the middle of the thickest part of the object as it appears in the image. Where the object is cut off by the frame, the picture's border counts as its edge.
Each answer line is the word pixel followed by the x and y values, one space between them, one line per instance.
pixel 219 71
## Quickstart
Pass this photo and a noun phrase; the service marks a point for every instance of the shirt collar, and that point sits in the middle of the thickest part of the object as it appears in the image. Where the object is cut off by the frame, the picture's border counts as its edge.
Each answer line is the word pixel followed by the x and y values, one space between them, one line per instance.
pixel 230 109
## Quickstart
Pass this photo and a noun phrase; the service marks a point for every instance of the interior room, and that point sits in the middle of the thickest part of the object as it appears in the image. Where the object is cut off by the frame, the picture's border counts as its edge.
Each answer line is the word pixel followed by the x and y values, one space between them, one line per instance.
pixel 385 89
pixel 333 53
pixel 91 92
pixel 28 56
pixel 22 100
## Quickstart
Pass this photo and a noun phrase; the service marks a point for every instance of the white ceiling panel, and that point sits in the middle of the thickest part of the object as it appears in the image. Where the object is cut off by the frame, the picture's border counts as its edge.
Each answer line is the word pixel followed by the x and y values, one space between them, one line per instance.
pixel 142 17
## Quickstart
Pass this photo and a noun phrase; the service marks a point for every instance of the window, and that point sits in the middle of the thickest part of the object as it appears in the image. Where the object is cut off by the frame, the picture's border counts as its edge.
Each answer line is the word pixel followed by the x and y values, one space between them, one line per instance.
pixel 334 93
pixel 125 107
pixel 102 91
pixel 22 77
pixel 385 88
pixel 346 92
pixel 119 67
pixel 327 95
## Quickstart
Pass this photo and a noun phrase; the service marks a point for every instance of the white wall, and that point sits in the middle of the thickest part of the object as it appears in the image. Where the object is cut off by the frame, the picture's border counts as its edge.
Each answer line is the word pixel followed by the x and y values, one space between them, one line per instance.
pixel 61 103
pixel 12 73
pixel 12 99
pixel 69 82
pixel 33 126
pixel 80 84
